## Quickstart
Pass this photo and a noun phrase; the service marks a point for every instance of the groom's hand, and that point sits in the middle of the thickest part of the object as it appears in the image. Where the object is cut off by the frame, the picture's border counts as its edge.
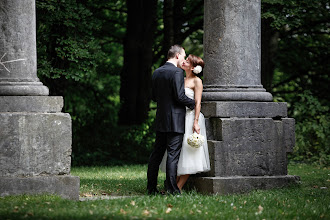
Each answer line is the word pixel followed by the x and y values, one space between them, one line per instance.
pixel 196 127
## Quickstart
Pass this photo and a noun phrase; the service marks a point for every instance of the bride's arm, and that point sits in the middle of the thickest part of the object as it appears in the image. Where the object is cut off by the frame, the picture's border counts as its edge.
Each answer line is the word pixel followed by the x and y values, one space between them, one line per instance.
pixel 198 99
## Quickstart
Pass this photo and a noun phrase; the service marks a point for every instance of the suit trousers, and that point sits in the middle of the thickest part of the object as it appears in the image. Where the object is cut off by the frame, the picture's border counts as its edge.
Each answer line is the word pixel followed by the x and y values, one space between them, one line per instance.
pixel 172 142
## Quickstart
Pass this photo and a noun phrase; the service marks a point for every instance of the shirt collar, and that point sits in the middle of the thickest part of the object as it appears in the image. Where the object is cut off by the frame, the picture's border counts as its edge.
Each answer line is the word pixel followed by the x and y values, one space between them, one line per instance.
pixel 172 63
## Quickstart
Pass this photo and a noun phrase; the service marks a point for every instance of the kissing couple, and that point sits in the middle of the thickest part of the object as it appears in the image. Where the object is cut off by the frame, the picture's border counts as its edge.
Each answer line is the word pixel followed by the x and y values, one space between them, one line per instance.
pixel 178 116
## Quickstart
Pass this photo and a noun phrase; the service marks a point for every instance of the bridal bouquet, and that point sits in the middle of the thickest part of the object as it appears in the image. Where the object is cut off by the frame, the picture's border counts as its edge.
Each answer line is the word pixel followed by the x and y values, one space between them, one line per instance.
pixel 195 140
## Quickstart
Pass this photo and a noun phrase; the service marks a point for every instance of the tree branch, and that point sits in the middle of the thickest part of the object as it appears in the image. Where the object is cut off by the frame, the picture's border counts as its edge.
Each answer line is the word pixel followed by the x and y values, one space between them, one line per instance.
pixel 287 80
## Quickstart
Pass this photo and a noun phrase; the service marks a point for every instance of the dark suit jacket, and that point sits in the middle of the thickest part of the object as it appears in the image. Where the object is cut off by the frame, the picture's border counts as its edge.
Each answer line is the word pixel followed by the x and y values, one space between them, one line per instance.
pixel 168 92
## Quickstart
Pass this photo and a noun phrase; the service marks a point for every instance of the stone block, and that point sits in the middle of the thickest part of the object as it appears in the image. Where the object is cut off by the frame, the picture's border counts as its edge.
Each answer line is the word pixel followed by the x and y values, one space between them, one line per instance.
pixel 240 184
pixel 211 95
pixel 247 147
pixel 31 104
pixel 209 129
pixel 289 133
pixel 34 144
pixel 245 109
pixel 65 186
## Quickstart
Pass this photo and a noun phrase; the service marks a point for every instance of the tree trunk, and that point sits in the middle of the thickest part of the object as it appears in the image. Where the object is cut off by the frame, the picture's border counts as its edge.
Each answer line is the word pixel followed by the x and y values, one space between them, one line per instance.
pixel 173 16
pixel 168 24
pixel 135 90
pixel 269 45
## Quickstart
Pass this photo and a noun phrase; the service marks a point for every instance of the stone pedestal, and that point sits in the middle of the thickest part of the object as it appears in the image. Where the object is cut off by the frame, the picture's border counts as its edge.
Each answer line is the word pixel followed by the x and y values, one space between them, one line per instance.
pixel 248 135
pixel 35 147
pixel 35 136
pixel 248 145
pixel 241 184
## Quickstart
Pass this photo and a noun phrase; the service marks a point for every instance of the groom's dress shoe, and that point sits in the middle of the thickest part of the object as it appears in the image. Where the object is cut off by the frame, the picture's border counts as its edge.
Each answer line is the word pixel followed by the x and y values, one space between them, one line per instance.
pixel 153 192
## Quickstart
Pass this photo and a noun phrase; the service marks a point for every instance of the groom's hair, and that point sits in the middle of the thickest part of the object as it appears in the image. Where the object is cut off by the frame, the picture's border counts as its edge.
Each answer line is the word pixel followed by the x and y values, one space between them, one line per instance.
pixel 173 51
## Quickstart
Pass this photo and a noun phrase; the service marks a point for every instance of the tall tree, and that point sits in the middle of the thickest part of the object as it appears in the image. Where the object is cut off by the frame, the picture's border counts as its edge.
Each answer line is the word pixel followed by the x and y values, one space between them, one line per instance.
pixel 180 19
pixel 295 42
pixel 135 86
pixel 269 48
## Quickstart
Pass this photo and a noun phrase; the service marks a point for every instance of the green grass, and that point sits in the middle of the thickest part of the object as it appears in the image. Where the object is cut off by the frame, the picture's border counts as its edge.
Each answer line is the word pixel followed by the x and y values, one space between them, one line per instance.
pixel 308 200
pixel 114 181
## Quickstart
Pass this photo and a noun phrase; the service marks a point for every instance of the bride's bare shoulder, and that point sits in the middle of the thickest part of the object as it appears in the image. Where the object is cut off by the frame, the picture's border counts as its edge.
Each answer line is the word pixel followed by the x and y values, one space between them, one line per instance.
pixel 198 81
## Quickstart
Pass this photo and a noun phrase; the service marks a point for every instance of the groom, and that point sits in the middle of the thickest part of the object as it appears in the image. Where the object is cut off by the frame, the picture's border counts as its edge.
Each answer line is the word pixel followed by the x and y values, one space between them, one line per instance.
pixel 168 92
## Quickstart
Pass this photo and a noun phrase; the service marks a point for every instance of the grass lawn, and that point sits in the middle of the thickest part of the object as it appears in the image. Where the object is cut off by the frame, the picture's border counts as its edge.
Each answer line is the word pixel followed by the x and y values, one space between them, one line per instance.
pixel 308 200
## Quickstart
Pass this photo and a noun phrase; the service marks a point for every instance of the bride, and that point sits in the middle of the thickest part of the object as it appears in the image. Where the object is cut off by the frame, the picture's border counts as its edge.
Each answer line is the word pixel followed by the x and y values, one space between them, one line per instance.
pixel 192 160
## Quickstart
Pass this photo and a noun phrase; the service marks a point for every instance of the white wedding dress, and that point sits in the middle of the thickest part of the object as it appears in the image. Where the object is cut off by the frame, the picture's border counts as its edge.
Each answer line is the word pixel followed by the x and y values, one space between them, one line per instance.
pixel 192 160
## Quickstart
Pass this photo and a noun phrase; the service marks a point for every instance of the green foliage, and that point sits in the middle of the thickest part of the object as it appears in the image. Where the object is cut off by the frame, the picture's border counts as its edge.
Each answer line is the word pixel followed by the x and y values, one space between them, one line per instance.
pixel 115 145
pixel 302 71
pixel 194 43
pixel 285 13
pixel 66 43
pixel 303 43
pixel 312 129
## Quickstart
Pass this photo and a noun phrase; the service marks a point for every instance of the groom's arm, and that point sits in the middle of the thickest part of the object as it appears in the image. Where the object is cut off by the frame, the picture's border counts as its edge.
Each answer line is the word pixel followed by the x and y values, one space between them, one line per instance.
pixel 153 88
pixel 179 94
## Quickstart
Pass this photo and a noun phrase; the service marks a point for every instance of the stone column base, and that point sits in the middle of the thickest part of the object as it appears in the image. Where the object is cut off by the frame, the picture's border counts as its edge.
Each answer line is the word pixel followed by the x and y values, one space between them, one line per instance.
pixel 240 184
pixel 35 147
pixel 65 186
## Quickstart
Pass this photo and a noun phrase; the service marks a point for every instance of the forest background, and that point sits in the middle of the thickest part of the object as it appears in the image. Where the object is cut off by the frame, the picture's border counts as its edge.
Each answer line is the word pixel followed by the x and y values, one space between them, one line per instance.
pixel 100 54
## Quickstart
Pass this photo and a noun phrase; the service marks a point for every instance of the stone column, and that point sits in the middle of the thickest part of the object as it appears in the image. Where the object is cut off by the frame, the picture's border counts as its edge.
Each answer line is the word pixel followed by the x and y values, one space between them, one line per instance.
pixel 232 49
pixel 248 134
pixel 35 136
pixel 18 57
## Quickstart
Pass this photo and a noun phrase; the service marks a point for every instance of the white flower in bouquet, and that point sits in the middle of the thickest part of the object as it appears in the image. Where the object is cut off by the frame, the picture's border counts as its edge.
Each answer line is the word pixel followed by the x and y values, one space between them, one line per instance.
pixel 197 69
pixel 195 140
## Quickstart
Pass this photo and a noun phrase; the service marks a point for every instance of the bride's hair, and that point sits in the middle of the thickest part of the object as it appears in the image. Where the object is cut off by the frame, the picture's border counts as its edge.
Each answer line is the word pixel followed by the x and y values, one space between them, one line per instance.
pixel 195 61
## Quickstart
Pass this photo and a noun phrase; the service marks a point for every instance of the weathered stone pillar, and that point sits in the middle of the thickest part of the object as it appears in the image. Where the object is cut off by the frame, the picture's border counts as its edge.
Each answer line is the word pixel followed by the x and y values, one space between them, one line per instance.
pixel 35 137
pixel 248 134
pixel 232 51
pixel 18 57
